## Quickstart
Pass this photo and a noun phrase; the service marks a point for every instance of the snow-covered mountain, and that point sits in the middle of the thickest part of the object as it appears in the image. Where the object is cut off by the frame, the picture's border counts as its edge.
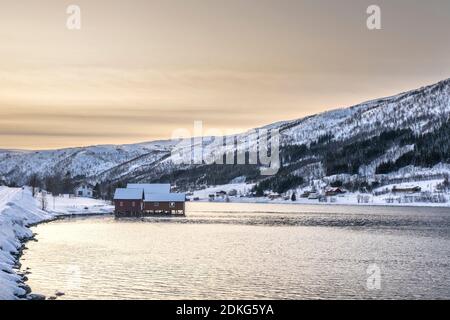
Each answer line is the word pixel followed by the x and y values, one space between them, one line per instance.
pixel 307 143
pixel 17 166
pixel 420 110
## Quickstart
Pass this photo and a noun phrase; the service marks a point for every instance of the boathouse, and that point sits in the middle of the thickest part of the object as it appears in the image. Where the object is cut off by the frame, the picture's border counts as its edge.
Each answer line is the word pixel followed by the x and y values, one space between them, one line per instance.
pixel 128 201
pixel 148 199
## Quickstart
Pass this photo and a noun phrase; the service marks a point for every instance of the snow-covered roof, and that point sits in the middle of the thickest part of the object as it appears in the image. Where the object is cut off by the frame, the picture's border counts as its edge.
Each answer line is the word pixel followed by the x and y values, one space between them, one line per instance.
pixel 128 194
pixel 161 197
pixel 151 187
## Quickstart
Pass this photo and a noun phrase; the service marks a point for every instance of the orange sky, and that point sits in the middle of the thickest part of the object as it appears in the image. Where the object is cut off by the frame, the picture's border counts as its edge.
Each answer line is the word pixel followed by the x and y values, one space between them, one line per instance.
pixel 137 70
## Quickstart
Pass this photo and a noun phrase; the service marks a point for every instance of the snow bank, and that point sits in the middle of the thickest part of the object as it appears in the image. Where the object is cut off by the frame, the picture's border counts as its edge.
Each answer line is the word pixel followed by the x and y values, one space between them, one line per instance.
pixel 64 205
pixel 18 211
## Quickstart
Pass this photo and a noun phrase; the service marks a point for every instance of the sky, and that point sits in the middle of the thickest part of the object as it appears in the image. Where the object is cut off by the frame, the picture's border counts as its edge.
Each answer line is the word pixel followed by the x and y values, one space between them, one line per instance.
pixel 138 70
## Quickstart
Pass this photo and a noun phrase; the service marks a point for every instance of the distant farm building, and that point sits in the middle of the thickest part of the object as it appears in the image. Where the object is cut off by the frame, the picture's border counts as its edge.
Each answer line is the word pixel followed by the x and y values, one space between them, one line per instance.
pixel 147 199
pixel 406 189
pixel 84 190
pixel 334 192
pixel 274 196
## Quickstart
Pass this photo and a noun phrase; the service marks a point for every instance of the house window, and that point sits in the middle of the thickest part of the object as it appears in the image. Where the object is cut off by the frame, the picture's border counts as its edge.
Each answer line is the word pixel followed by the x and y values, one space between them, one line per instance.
pixel 156 204
pixel 172 204
pixel 80 193
pixel 121 204
pixel 133 204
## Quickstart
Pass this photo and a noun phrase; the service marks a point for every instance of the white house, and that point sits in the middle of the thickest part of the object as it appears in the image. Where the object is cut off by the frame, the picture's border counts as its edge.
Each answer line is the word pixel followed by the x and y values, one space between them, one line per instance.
pixel 84 190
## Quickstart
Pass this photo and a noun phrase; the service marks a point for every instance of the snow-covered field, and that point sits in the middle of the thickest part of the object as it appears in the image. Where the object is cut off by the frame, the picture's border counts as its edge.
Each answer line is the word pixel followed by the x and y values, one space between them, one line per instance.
pixel 64 205
pixel 18 211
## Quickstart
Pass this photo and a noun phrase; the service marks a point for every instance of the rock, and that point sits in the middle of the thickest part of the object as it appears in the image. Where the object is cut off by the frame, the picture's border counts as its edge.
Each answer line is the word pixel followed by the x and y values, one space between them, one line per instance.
pixel 6 271
pixel 59 293
pixel 35 296
pixel 52 298
pixel 25 287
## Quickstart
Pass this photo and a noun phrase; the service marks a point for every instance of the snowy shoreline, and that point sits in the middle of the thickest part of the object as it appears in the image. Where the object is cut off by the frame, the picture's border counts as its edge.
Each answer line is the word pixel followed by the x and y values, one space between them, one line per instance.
pixel 346 199
pixel 19 212
pixel 339 204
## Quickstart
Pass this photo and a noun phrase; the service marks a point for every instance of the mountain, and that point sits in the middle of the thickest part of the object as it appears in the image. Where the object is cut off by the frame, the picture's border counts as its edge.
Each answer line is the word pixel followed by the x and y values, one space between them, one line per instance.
pixel 18 166
pixel 403 135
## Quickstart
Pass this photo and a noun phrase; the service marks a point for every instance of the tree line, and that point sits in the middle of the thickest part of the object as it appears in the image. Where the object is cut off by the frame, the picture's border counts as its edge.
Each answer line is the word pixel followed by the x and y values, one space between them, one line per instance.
pixel 58 184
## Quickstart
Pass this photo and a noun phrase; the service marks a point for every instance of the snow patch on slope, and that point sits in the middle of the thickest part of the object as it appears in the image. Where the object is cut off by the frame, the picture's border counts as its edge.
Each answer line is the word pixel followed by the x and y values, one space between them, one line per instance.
pixel 391 155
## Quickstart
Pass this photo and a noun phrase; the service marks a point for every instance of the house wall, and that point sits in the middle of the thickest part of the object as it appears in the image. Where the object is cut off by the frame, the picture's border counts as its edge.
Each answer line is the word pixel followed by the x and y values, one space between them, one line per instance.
pixel 127 206
pixel 164 206
pixel 84 192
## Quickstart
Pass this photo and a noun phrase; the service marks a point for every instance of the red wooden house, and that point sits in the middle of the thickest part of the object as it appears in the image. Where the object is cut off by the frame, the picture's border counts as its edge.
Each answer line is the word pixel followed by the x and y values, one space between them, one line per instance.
pixel 143 199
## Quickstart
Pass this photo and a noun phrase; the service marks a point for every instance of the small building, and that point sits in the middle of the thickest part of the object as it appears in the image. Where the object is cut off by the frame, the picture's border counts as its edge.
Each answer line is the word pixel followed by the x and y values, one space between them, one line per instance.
pixel 84 190
pixel 128 201
pixel 305 194
pixel 221 193
pixel 164 203
pixel 406 189
pixel 274 196
pixel 143 199
pixel 313 196
pixel 334 192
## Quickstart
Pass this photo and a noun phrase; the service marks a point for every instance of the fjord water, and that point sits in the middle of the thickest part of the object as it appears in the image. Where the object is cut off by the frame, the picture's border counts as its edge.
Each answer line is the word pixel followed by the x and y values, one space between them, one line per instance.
pixel 247 251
